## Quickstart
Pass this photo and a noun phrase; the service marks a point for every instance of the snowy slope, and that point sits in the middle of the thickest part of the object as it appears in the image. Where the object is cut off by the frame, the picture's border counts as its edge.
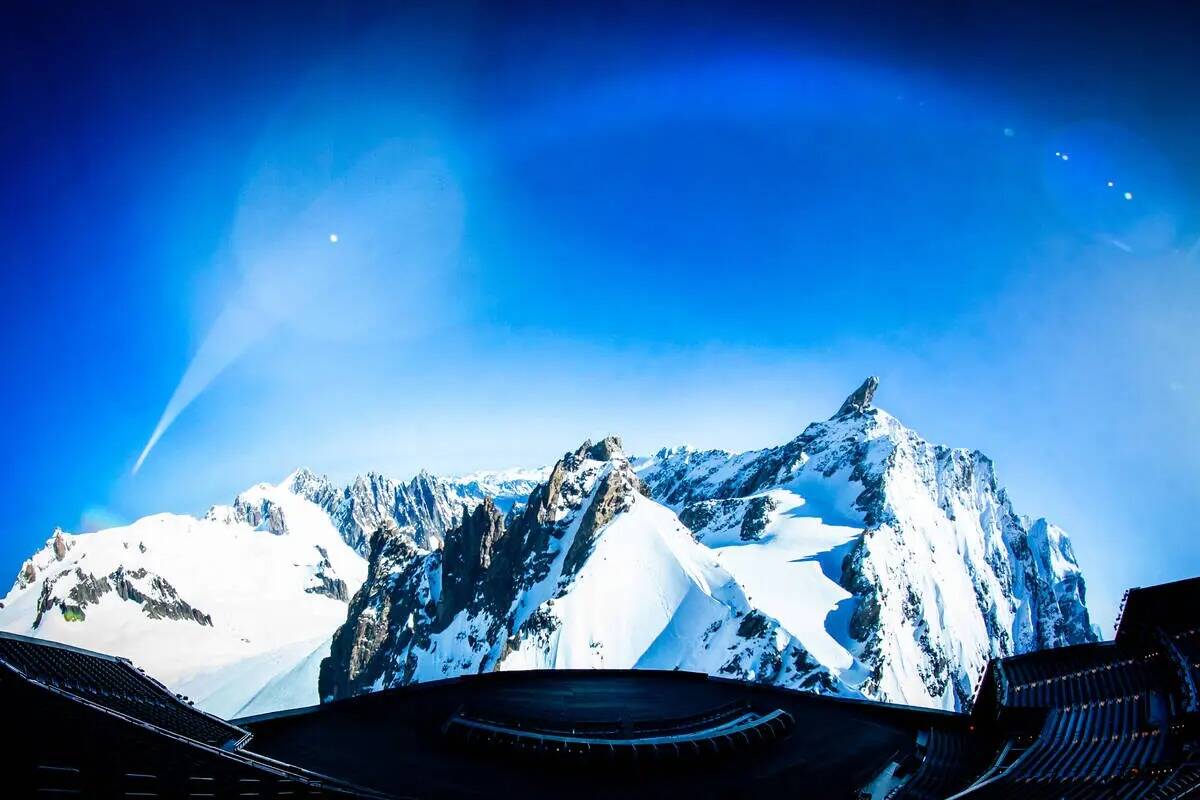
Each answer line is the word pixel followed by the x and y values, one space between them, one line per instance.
pixel 591 573
pixel 235 610
pixel 901 565
pixel 855 559
pixel 216 607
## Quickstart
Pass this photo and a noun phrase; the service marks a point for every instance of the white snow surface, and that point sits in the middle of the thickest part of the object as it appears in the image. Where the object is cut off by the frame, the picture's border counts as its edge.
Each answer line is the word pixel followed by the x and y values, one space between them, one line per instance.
pixel 923 533
pixel 792 572
pixel 643 600
pixel 622 584
pixel 265 625
pixel 857 559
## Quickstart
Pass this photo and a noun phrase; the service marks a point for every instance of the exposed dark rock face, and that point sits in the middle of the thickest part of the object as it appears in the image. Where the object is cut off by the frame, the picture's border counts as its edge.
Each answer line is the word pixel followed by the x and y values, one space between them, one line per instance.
pixel 755 521
pixel 748 516
pixel 486 564
pixel 860 399
pixel 330 587
pixel 61 545
pixel 606 449
pixel 614 496
pixel 157 597
pixel 1018 577
pixel 45 600
pixel 424 509
pixel 28 574
pixel 163 602
pixel 753 624
pixel 699 515
pixel 942 576
pixel 262 514
pixel 467 555
pixel 88 589
pixel 491 592
pixel 328 583
pixel 395 579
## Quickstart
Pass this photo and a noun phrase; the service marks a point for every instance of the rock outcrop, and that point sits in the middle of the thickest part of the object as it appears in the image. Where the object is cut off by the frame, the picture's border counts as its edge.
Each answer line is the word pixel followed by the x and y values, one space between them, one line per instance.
pixel 590 572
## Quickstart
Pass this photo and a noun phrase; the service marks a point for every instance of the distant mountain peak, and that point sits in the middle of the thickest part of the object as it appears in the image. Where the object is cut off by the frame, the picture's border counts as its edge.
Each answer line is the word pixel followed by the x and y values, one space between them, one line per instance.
pixel 607 449
pixel 860 399
pixel 856 558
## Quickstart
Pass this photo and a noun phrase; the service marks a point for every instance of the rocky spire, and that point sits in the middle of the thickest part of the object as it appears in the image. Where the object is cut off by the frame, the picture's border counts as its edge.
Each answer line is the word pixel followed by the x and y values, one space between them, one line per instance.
pixel 468 552
pixel 61 544
pixel 605 450
pixel 860 399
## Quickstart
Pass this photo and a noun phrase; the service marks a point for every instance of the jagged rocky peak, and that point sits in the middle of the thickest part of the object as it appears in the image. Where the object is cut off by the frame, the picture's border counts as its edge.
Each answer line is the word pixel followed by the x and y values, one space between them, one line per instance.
pixel 58 545
pixel 469 551
pixel 860 399
pixel 61 544
pixel 311 486
pixel 607 449
pixel 424 480
pixel 592 572
pixel 423 507
pixel 600 464
pixel 856 558
pixel 941 571
pixel 474 588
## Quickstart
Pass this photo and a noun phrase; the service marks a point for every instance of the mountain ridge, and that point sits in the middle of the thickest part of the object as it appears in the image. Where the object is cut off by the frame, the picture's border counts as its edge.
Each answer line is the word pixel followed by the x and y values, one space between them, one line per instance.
pixel 855 559
pixel 914 569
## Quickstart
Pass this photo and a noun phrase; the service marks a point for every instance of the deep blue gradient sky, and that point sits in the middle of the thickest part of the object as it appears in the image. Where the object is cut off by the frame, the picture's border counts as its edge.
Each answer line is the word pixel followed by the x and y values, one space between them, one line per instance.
pixel 702 227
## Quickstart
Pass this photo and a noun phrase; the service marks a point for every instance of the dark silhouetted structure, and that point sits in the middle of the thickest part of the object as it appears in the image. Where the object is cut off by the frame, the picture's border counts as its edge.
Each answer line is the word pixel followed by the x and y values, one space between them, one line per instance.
pixel 81 724
pixel 1108 721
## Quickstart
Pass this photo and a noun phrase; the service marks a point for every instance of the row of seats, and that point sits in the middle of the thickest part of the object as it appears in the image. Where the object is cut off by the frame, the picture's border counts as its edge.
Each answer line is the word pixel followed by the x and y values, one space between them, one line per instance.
pixel 940 771
pixel 1092 741
pixel 1155 785
pixel 1104 734
pixel 1184 646
pixel 116 685
pixel 1028 683
pixel 107 755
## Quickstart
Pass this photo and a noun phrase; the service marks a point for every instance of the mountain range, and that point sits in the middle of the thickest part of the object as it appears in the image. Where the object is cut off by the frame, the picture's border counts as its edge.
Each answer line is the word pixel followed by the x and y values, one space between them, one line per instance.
pixel 856 559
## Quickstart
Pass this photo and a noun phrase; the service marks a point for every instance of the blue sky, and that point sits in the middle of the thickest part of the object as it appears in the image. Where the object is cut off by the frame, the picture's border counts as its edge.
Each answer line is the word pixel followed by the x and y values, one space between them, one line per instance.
pixel 703 228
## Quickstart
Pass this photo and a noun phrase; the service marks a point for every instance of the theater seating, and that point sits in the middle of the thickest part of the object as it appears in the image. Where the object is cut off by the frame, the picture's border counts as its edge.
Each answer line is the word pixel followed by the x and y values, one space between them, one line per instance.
pixel 1116 719
pixel 941 771
pixel 116 685
pixel 85 725
pixel 1076 675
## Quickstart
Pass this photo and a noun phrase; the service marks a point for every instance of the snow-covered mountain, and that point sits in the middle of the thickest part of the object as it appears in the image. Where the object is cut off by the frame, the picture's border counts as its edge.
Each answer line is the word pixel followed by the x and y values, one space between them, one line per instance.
pixel 236 609
pixel 856 559
pixel 590 573
pixel 900 564
pixel 426 506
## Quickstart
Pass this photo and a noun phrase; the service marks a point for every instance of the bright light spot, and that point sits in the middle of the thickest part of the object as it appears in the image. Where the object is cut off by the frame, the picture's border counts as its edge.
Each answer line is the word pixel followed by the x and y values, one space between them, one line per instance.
pixel 1111 184
pixel 1066 157
pixel 333 238
pixel 1129 195
pixel 1057 154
